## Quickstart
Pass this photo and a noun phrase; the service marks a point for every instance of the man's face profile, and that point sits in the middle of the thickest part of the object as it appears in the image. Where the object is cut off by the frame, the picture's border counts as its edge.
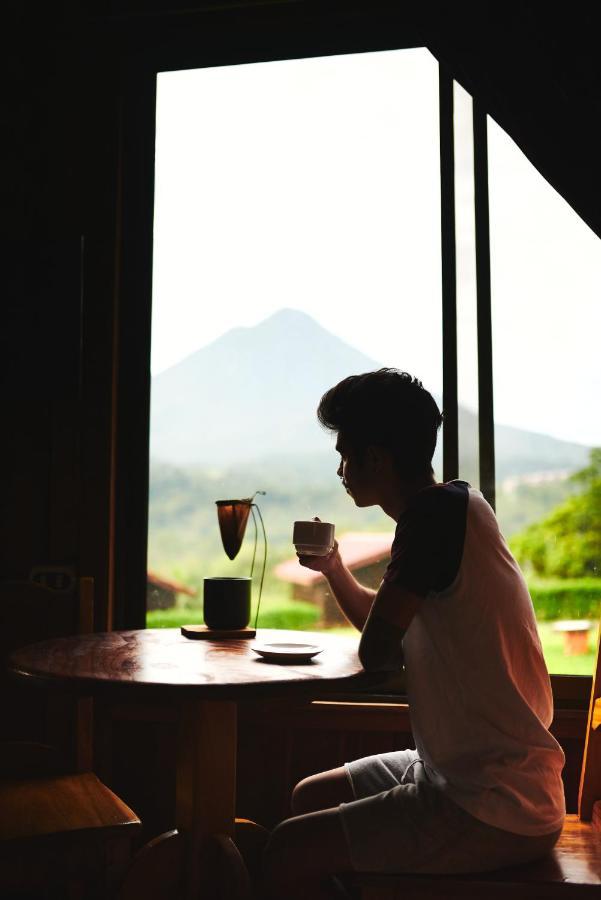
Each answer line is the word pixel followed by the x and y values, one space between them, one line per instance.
pixel 354 472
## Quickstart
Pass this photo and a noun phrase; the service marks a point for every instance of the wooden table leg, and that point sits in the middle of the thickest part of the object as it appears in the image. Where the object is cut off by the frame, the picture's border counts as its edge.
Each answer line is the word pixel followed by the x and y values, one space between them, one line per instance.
pixel 206 777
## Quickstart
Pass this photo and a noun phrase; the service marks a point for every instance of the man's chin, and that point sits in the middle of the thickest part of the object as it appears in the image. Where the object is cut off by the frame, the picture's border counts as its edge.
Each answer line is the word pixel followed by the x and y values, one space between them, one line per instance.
pixel 362 502
pixel 358 501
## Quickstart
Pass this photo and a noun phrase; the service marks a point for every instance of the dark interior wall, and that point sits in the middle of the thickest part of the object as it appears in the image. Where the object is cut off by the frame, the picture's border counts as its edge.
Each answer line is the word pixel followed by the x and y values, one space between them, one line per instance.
pixel 41 312
pixel 56 353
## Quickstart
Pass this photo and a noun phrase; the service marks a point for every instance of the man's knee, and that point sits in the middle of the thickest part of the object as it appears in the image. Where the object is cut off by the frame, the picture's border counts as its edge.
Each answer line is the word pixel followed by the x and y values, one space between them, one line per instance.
pixel 304 797
pixel 322 791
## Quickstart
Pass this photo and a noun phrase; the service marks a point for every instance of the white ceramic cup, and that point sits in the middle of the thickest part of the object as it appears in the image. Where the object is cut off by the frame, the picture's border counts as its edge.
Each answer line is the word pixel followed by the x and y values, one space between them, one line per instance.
pixel 313 538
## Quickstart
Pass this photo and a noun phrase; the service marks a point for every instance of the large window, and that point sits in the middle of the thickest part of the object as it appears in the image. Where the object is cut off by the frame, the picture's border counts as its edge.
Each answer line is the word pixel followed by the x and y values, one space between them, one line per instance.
pixel 546 283
pixel 545 272
pixel 297 240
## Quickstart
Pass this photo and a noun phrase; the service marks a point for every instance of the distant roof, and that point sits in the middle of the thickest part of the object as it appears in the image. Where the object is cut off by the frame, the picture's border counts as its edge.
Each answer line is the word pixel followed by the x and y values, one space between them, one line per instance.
pixel 169 585
pixel 357 548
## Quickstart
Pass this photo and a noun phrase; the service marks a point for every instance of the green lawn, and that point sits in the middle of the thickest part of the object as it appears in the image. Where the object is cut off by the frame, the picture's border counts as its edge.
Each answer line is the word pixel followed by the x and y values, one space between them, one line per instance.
pixel 296 616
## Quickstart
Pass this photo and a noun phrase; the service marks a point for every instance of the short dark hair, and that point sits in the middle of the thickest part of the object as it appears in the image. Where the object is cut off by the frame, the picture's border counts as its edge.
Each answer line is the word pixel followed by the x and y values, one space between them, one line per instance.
pixel 386 408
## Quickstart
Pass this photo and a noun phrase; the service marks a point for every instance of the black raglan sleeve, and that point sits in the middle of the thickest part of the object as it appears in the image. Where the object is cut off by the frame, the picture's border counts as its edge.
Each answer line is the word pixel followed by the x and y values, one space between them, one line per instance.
pixel 428 545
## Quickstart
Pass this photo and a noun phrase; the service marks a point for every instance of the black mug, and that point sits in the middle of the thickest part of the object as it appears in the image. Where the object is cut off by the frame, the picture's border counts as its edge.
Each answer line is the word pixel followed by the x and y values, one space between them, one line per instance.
pixel 226 602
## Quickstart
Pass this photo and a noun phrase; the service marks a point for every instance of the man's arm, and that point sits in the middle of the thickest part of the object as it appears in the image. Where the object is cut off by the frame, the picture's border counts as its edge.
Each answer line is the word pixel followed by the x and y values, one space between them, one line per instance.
pixel 354 600
pixel 381 645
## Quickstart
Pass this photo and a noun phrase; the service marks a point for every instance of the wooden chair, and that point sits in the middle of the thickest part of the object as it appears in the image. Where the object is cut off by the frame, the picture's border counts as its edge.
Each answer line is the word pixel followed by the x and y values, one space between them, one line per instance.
pixel 572 870
pixel 56 827
pixel 157 871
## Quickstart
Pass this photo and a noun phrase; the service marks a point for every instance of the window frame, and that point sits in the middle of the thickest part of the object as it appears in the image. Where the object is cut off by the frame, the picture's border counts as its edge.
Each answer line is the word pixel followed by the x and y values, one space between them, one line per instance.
pixel 218 37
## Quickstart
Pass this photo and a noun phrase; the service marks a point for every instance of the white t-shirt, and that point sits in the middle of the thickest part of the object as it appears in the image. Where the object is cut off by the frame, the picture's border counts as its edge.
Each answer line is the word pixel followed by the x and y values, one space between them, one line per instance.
pixel 479 691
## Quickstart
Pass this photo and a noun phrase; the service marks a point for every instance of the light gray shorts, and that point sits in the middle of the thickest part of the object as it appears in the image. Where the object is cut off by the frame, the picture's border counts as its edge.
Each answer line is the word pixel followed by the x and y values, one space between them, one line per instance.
pixel 401 822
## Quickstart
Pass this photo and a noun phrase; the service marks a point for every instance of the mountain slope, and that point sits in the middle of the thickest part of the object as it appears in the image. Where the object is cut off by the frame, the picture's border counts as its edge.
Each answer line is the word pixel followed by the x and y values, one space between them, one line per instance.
pixel 252 394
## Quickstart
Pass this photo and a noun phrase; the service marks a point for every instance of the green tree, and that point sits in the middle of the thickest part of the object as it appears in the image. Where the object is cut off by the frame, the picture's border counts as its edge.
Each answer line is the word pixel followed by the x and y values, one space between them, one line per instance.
pixel 567 544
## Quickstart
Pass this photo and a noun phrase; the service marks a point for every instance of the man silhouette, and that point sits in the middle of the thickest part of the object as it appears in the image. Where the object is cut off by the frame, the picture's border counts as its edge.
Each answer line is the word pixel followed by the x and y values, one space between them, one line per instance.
pixel 483 787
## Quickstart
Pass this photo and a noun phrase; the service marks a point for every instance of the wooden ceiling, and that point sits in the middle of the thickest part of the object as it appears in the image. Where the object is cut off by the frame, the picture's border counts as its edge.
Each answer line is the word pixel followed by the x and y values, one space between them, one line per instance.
pixel 537 69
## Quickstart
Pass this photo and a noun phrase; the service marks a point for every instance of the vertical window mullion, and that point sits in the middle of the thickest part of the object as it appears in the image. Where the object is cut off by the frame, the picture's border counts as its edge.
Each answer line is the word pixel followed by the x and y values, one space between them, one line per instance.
pixel 486 434
pixel 449 278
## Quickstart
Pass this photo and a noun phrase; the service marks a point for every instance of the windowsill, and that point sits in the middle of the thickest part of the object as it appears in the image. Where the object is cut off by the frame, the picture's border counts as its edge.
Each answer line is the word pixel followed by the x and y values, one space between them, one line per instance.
pixel 569 691
pixel 379 712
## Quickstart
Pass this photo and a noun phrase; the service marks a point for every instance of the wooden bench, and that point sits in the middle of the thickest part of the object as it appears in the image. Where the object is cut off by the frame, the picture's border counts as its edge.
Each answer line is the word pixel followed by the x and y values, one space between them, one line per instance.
pixel 572 870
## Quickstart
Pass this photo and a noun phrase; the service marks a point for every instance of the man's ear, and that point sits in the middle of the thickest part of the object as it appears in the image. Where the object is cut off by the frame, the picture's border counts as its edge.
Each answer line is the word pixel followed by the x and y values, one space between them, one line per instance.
pixel 374 456
pixel 378 458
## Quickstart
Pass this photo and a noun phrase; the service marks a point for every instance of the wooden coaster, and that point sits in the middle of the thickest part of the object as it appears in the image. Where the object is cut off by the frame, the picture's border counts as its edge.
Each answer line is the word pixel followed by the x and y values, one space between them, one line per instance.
pixel 203 632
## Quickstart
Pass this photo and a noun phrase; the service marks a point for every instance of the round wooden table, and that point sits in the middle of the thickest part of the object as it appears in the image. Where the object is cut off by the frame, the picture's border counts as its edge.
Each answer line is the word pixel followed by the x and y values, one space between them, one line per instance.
pixel 206 679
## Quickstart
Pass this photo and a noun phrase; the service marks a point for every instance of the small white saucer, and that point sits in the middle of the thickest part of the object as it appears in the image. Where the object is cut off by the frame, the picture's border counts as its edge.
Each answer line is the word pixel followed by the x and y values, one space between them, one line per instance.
pixel 286 651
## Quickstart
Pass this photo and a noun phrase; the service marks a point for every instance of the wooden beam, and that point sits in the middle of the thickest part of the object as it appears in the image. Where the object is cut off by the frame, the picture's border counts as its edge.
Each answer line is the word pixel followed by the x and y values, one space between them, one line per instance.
pixel 590 781
pixel 486 428
pixel 450 448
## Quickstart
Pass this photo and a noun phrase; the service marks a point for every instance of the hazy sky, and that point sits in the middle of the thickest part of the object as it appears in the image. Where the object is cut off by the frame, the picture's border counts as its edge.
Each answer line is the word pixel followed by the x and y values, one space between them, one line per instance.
pixel 314 184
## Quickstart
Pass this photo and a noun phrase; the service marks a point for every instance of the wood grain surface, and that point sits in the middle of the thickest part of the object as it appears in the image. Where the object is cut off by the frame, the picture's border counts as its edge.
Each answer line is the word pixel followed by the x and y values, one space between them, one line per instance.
pixel 164 659
pixel 37 807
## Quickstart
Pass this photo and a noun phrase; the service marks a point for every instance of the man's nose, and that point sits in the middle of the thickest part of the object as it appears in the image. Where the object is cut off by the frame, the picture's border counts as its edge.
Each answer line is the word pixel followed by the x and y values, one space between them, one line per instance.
pixel 339 471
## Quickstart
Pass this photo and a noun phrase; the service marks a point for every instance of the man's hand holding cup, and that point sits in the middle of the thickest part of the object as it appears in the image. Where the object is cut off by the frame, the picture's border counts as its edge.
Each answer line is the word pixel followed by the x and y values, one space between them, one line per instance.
pixel 315 544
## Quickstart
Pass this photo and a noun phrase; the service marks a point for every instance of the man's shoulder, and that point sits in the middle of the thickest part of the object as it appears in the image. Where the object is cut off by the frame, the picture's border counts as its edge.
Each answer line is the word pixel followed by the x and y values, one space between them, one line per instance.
pixel 442 499
pixel 428 544
pixel 440 509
